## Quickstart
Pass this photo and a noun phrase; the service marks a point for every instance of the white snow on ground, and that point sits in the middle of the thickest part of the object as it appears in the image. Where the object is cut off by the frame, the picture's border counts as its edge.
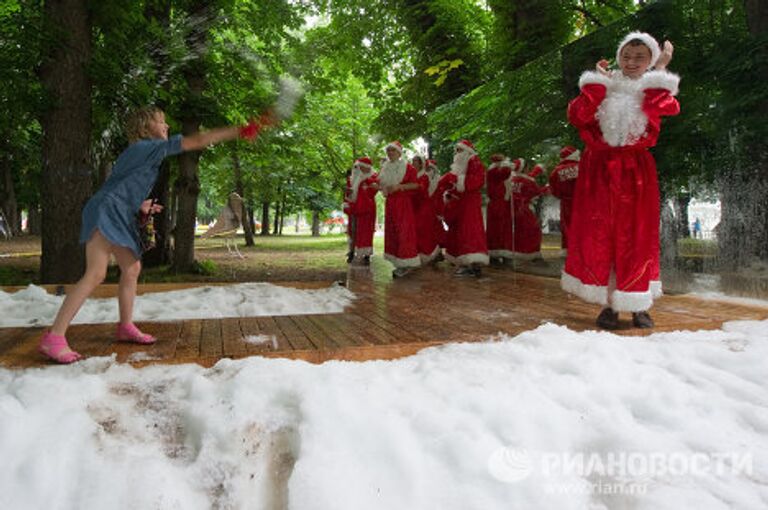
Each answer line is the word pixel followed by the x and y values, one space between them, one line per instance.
pixel 670 421
pixel 33 306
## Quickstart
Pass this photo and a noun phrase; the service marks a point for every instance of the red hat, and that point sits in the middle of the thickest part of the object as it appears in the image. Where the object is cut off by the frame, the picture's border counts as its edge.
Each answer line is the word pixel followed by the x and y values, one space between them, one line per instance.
pixel 364 162
pixel 518 165
pixel 395 145
pixel 496 158
pixel 467 146
pixel 430 163
pixel 570 153
pixel 536 170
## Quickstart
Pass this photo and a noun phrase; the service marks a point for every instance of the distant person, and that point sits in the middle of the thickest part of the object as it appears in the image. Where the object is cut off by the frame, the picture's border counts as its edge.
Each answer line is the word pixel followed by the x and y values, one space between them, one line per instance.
pixel 697 229
pixel 562 184
pixel 109 225
pixel 498 220
pixel 424 209
pixel 398 182
pixel 466 246
pixel 365 185
pixel 613 241
pixel 522 189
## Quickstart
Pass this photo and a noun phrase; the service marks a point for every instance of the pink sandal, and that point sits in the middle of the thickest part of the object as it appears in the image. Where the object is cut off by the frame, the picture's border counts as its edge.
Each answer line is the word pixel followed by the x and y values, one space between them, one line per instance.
pixel 56 348
pixel 130 333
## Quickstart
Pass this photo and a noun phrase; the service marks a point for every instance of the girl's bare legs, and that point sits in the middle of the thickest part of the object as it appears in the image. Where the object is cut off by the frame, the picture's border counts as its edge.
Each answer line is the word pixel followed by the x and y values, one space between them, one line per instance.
pixel 97 252
pixel 130 268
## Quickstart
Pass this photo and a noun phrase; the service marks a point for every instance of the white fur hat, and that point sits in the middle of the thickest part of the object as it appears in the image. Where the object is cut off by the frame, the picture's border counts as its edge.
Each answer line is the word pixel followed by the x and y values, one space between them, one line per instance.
pixel 647 39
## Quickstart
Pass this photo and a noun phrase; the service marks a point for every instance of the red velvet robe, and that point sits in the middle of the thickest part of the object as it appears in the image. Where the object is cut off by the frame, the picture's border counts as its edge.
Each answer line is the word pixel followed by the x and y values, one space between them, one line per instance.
pixel 498 219
pixel 526 231
pixel 425 221
pixel 562 183
pixel 400 245
pixel 364 211
pixel 465 242
pixel 613 245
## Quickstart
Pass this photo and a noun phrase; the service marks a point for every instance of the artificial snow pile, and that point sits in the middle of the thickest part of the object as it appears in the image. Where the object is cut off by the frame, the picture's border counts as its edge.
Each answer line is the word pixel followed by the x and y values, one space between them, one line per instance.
pixel 493 425
pixel 33 306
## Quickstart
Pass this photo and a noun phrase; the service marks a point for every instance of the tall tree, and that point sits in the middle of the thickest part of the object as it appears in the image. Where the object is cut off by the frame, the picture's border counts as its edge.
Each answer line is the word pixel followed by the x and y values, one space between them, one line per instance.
pixel 66 138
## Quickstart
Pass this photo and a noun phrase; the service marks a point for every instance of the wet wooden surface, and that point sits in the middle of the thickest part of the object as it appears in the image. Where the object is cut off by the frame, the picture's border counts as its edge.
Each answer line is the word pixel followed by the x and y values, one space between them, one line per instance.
pixel 389 319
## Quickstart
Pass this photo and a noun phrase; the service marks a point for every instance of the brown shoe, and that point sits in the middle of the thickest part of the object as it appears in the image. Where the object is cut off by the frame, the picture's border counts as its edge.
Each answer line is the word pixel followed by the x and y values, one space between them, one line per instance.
pixel 642 320
pixel 608 319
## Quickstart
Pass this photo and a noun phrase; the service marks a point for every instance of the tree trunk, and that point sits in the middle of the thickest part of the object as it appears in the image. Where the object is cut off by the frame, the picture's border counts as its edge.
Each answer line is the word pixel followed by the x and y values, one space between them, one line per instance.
pixel 276 226
pixel 298 221
pixel 187 186
pixel 67 173
pixel 240 189
pixel 265 218
pixel 315 223
pixel 34 221
pixel 683 226
pixel 8 201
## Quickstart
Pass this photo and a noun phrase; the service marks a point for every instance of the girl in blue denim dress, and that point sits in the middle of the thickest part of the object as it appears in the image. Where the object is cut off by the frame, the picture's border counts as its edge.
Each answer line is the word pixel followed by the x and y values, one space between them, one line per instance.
pixel 109 225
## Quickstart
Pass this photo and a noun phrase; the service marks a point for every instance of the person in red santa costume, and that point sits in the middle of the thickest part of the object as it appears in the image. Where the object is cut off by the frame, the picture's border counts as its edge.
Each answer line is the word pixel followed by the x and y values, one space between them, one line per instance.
pixel 398 182
pixel 562 184
pixel 521 190
pixel 436 198
pixel 498 217
pixel 347 208
pixel 613 242
pixel 465 246
pixel 364 186
pixel 424 209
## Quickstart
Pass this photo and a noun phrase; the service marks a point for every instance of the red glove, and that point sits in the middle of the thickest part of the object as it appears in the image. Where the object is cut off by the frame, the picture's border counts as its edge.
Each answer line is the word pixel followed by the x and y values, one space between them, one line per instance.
pixel 250 131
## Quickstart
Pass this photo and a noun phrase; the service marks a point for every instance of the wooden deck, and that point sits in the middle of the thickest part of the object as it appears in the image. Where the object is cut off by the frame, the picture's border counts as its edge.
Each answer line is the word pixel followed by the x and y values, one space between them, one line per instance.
pixel 389 319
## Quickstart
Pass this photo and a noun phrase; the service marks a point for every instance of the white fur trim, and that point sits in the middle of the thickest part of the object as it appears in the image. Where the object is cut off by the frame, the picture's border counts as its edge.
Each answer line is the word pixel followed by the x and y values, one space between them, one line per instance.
pixel 360 164
pixel 393 146
pixel 460 183
pixel 427 258
pixel 506 254
pixel 597 294
pixel 466 148
pixel 621 116
pixel 362 252
pixel 593 78
pixel 631 301
pixel 467 259
pixel 647 39
pixel 576 156
pixel 656 290
pixel 660 80
pixel 398 263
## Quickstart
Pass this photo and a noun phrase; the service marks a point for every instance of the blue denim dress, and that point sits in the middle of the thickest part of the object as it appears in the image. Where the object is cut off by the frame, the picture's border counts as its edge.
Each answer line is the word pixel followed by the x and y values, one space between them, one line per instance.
pixel 113 209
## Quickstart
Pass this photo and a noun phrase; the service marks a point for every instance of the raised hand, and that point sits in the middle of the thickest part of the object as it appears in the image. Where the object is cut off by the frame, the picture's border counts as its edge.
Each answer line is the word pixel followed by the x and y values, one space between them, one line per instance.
pixel 602 67
pixel 666 56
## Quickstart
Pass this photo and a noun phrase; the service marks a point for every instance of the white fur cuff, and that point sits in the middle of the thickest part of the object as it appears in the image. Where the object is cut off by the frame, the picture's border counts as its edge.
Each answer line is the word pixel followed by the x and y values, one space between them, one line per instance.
pixel 593 77
pixel 597 294
pixel 460 183
pixel 660 80
pixel 631 301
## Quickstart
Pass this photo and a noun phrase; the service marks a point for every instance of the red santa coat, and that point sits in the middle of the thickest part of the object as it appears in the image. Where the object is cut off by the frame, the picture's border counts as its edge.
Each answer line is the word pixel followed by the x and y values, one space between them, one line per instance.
pixel 614 230
pixel 498 219
pixel 400 245
pixel 526 231
pixel 364 212
pixel 426 219
pixel 465 242
pixel 562 184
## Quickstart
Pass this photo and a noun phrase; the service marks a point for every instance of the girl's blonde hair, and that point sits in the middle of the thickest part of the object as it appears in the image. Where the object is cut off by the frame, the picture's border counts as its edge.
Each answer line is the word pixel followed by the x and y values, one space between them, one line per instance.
pixel 137 123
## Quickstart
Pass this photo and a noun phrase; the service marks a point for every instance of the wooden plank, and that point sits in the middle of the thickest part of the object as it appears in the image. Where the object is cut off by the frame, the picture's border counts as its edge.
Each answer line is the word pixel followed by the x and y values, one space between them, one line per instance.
pixel 293 333
pixel 336 330
pixel 210 339
pixel 232 340
pixel 319 338
pixel 9 338
pixel 188 344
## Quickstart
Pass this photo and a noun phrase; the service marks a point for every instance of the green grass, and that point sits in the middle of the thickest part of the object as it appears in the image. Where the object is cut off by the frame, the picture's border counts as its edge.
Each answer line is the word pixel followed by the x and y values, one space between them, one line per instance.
pixel 689 247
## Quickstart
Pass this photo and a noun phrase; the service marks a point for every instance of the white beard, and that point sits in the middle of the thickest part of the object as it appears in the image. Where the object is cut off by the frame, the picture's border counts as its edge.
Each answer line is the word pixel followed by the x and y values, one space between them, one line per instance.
pixel 392 173
pixel 460 161
pixel 354 183
pixel 621 117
